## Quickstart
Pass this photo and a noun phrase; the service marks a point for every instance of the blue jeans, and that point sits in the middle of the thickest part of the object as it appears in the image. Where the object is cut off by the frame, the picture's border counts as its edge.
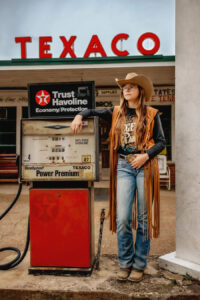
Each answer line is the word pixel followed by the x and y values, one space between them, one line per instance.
pixel 130 254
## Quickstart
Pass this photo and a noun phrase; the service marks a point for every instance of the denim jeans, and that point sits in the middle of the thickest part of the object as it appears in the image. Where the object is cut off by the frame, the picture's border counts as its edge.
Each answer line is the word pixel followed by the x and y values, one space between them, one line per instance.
pixel 129 180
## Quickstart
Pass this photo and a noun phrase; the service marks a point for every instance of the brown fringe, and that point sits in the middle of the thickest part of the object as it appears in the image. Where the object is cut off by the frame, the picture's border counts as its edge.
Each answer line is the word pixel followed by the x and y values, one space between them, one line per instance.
pixel 157 199
pixel 113 176
pixel 151 186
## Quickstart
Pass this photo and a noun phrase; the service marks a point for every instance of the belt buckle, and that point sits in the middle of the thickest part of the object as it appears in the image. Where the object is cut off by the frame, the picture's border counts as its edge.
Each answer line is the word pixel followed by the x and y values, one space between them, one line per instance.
pixel 130 157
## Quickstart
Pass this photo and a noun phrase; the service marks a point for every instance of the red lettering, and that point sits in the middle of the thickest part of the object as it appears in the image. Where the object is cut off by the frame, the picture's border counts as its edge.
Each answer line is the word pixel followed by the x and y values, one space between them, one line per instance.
pixel 23 41
pixel 44 47
pixel 95 47
pixel 120 36
pixel 68 46
pixel 148 35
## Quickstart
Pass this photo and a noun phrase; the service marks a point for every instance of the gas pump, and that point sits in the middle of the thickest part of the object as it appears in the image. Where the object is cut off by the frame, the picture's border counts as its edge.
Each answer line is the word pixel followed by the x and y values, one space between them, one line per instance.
pixel 62 168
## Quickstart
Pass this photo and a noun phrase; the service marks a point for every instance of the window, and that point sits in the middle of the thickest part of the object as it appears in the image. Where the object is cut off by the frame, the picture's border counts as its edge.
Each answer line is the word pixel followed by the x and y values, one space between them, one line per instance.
pixel 7 129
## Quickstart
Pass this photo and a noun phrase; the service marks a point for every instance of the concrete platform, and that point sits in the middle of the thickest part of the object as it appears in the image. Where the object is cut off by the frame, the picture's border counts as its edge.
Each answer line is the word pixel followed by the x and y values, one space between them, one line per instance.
pixel 102 284
pixel 174 264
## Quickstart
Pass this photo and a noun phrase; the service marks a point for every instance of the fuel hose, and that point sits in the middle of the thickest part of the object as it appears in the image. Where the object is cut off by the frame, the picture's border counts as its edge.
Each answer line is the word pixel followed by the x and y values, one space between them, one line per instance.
pixel 19 257
pixel 13 203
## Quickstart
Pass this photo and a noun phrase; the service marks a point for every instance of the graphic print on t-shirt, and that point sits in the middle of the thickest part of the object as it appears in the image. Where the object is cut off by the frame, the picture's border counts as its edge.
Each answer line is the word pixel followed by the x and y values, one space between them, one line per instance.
pixel 128 137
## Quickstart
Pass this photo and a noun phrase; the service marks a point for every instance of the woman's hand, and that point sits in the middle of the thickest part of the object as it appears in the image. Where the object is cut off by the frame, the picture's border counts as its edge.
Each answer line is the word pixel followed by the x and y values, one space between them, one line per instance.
pixel 139 161
pixel 76 124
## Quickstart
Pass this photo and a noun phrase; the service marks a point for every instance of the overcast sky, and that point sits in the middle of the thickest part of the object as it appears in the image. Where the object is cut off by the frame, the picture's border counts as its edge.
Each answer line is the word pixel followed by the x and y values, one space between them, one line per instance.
pixel 106 18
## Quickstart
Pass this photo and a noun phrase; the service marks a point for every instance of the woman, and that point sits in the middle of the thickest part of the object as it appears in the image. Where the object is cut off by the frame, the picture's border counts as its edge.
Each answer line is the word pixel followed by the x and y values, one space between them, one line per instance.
pixel 136 138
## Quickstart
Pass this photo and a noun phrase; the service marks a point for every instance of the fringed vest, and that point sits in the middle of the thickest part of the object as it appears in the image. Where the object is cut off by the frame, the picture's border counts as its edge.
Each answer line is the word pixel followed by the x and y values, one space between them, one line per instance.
pixel 151 180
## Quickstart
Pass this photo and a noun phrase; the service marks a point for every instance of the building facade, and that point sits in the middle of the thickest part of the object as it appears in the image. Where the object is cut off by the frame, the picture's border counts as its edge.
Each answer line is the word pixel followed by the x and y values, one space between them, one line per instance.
pixel 15 75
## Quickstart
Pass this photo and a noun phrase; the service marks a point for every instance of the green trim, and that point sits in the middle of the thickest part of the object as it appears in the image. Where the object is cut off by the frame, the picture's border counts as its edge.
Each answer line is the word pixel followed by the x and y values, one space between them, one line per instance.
pixel 89 60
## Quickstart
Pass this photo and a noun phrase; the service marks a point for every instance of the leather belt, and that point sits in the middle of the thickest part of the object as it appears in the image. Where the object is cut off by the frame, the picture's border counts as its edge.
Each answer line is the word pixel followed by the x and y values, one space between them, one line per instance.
pixel 123 156
pixel 129 157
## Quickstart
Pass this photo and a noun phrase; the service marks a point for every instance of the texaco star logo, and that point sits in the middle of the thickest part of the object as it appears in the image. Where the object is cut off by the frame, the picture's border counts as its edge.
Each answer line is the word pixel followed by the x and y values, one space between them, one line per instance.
pixel 45 207
pixel 42 97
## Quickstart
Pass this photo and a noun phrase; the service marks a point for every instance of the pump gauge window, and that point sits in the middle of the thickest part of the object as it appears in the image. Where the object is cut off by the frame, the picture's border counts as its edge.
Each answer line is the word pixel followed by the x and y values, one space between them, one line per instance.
pixel 50 151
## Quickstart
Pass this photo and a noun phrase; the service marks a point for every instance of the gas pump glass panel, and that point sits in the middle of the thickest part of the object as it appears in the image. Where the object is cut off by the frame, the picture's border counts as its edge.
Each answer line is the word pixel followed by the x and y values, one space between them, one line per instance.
pixel 51 152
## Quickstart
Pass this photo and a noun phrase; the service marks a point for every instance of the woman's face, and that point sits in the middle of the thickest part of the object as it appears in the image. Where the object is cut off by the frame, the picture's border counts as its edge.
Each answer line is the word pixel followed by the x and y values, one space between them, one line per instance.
pixel 131 92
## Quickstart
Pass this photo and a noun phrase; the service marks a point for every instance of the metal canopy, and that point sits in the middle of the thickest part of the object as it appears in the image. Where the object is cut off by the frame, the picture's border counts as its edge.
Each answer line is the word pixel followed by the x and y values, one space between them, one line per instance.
pixel 18 73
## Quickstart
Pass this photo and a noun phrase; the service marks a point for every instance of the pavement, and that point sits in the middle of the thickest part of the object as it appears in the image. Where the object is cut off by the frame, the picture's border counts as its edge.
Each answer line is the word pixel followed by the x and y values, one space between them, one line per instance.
pixel 102 284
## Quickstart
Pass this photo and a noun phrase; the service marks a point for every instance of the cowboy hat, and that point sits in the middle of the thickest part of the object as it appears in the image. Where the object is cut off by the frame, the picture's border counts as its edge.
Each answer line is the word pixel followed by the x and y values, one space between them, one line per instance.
pixel 139 79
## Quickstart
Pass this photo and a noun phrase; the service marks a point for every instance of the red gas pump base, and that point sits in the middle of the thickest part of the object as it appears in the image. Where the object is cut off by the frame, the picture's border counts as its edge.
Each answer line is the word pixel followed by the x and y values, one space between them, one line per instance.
pixel 60 271
pixel 61 231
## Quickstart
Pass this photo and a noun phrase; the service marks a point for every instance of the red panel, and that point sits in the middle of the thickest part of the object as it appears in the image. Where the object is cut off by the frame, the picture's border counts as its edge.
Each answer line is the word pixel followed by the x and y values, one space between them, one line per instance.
pixel 59 227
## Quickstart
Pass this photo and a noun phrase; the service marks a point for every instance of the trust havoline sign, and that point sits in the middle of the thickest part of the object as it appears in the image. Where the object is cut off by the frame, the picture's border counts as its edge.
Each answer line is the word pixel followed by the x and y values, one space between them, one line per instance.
pixel 62 99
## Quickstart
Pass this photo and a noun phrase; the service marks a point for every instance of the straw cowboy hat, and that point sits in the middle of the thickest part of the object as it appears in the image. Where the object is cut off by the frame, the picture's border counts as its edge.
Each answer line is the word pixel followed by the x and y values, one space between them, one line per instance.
pixel 139 79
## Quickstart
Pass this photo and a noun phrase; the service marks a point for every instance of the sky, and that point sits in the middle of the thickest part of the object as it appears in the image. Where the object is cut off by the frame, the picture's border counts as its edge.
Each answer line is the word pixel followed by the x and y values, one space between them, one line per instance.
pixel 105 18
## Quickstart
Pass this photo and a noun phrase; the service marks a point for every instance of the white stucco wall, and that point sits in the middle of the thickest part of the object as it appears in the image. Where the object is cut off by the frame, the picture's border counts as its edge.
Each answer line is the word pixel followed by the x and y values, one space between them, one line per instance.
pixel 187 130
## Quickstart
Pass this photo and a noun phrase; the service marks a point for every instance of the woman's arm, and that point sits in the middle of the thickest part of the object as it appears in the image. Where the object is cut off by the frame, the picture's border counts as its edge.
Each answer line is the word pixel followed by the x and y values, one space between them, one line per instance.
pixel 159 138
pixel 105 113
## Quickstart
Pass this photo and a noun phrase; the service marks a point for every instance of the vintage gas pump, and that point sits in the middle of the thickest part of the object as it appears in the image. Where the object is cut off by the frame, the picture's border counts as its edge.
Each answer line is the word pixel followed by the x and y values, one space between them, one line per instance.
pixel 61 168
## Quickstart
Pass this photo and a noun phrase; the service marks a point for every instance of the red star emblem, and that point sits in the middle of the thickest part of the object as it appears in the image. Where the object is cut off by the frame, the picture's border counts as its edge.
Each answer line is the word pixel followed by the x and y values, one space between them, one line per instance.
pixel 42 97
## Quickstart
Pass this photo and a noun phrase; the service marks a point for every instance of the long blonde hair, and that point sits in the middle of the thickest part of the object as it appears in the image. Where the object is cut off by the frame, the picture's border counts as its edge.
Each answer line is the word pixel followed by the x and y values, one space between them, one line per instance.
pixel 140 128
